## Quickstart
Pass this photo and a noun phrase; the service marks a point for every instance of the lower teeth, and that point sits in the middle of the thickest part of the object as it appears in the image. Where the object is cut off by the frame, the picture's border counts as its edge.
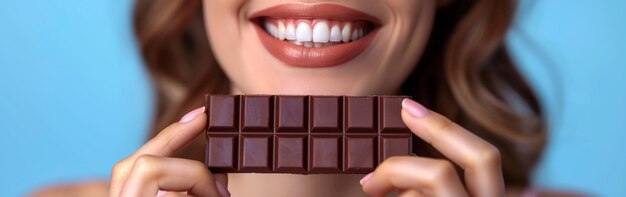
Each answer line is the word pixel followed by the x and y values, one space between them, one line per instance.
pixel 313 44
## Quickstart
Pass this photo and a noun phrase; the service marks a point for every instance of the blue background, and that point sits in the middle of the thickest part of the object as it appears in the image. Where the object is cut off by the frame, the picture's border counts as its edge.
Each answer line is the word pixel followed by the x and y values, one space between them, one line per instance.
pixel 74 98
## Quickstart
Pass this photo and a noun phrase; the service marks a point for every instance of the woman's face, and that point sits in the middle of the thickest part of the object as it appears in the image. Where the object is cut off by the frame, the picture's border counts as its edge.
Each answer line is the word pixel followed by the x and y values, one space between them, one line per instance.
pixel 345 47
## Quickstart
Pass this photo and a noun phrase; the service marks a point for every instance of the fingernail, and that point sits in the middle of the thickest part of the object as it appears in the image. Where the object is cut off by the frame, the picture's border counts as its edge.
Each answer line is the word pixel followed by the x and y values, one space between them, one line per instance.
pixel 222 189
pixel 192 115
pixel 365 178
pixel 160 193
pixel 415 109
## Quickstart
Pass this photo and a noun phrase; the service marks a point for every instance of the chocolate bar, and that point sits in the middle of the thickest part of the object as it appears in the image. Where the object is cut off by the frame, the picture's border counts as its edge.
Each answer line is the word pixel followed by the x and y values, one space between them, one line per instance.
pixel 303 134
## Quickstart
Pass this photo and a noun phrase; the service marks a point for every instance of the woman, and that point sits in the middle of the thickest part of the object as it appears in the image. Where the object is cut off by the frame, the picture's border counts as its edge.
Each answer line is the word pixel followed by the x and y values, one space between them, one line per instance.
pixel 482 119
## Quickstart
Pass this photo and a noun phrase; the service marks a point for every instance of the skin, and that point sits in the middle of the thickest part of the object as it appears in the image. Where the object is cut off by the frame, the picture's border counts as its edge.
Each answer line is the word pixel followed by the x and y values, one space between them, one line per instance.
pixel 381 69
pixel 252 70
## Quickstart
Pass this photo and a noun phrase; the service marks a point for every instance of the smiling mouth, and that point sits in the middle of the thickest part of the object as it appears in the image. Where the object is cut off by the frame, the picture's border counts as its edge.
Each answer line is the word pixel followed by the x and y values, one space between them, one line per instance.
pixel 317 32
pixel 320 35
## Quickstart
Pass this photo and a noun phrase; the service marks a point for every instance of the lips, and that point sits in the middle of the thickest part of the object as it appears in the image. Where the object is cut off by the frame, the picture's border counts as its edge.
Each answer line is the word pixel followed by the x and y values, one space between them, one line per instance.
pixel 321 35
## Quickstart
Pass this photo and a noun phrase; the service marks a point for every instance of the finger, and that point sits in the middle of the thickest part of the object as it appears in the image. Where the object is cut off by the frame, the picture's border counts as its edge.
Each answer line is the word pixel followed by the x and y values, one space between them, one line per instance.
pixel 479 159
pixel 221 178
pixel 162 193
pixel 221 182
pixel 175 136
pixel 153 173
pixel 165 143
pixel 409 193
pixel 432 177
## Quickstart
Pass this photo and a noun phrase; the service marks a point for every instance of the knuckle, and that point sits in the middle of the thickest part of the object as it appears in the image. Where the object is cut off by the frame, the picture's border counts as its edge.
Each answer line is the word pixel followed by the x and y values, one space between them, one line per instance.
pixel 146 165
pixel 199 167
pixel 145 160
pixel 489 156
pixel 441 171
pixel 392 160
pixel 119 167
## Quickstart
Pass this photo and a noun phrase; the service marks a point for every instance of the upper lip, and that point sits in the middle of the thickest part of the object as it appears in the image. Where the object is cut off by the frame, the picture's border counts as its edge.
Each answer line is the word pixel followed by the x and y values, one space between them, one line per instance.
pixel 316 11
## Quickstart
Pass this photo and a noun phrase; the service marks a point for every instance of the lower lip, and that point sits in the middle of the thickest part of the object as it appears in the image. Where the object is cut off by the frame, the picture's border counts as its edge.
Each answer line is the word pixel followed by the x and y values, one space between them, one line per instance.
pixel 299 56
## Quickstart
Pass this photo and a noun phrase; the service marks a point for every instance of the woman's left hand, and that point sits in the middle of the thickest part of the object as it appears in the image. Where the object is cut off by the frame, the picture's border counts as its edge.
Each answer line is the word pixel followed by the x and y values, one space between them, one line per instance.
pixel 421 176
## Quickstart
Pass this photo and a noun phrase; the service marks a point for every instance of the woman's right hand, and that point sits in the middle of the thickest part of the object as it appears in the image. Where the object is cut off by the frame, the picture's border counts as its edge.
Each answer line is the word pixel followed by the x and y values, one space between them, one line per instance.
pixel 151 169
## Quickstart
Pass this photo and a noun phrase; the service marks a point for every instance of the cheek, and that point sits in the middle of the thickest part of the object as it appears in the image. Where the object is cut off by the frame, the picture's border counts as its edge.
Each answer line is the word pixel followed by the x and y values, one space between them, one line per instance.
pixel 222 23
pixel 407 34
pixel 412 23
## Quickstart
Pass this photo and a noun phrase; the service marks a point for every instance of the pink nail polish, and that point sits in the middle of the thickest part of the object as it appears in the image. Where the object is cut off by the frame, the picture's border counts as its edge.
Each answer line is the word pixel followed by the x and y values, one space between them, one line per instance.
pixel 415 109
pixel 192 115
pixel 222 189
pixel 365 178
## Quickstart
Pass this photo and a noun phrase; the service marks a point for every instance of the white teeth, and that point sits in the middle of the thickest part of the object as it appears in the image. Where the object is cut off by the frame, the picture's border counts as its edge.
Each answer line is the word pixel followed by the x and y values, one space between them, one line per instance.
pixel 345 33
pixel 268 28
pixel 314 44
pixel 321 33
pixel 355 35
pixel 303 32
pixel 335 34
pixel 273 30
pixel 290 33
pixel 281 30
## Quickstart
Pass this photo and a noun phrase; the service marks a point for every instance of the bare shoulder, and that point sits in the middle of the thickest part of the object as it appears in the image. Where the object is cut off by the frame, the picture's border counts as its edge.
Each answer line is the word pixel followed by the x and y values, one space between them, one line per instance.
pixel 95 188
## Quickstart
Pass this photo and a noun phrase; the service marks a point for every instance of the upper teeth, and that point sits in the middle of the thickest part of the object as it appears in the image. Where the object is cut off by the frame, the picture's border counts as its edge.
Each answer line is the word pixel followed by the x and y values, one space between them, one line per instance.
pixel 303 32
pixel 323 33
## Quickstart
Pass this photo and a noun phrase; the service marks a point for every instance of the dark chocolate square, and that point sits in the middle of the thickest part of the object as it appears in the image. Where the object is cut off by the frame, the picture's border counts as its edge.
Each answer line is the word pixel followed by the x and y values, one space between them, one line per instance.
pixel 326 153
pixel 291 114
pixel 256 114
pixel 390 119
pixel 361 115
pixel 256 153
pixel 326 114
pixel 291 153
pixel 360 155
pixel 221 153
pixel 222 113
pixel 395 145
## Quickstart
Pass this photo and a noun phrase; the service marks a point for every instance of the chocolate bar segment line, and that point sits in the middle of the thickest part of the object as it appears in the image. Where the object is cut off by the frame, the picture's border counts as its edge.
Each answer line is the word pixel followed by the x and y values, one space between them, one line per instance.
pixel 301 134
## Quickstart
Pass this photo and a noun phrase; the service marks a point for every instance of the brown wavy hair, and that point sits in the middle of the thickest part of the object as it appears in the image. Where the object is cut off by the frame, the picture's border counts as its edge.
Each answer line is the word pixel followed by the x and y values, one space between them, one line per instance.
pixel 465 74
